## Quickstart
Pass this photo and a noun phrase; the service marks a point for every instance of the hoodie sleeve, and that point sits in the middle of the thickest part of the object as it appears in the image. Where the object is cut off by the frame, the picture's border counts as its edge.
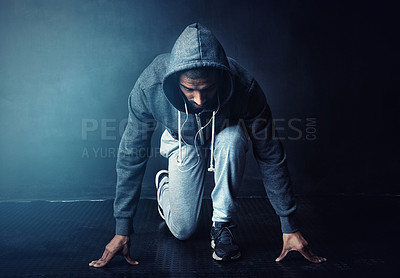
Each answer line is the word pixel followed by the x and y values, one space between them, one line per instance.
pixel 132 159
pixel 271 158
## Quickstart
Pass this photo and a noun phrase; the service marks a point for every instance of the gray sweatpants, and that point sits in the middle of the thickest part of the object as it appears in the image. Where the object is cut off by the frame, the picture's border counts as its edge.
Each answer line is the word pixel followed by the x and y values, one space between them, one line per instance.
pixel 181 198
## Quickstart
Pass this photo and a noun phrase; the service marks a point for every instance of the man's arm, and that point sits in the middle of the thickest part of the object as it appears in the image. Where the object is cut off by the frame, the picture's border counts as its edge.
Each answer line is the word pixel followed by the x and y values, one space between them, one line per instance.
pixel 132 158
pixel 131 163
pixel 271 158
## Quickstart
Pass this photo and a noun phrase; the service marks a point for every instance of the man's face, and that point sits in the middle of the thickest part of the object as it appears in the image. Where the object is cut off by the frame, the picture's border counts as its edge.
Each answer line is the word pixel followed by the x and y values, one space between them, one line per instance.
pixel 200 93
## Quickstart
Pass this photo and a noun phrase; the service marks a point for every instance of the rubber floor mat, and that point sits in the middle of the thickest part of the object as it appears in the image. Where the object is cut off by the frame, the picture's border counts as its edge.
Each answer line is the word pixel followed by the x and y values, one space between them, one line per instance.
pixel 58 239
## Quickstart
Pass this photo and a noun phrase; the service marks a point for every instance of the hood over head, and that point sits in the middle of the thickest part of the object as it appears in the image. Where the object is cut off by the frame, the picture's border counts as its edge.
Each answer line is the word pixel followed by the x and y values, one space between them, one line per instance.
pixel 196 47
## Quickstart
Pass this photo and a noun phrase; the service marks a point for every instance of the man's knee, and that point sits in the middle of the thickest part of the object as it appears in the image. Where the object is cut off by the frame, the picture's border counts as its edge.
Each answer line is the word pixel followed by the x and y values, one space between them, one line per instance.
pixel 232 137
pixel 183 232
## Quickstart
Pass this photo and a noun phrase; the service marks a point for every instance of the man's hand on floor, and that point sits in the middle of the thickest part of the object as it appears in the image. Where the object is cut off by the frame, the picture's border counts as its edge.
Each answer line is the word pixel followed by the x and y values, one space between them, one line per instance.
pixel 295 241
pixel 119 245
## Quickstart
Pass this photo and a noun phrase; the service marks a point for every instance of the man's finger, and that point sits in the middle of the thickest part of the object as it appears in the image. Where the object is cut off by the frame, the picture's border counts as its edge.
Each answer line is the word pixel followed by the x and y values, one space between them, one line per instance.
pixel 105 259
pixel 92 263
pixel 319 259
pixel 316 259
pixel 309 255
pixel 101 263
pixel 126 253
pixel 130 261
pixel 282 255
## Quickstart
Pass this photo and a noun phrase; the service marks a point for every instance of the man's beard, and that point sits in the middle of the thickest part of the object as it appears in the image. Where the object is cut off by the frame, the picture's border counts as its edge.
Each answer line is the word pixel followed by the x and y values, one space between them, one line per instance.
pixel 210 105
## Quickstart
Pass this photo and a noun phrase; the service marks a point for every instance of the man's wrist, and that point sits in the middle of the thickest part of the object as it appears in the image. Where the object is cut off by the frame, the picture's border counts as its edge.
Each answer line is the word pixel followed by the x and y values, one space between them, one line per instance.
pixel 288 224
pixel 123 226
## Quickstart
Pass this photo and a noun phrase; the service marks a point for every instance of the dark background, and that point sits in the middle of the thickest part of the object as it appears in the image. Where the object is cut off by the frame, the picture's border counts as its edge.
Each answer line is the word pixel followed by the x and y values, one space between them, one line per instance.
pixel 329 70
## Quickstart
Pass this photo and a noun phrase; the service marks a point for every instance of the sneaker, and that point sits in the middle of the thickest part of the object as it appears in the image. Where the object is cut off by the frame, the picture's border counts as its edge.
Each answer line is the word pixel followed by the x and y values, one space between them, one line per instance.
pixel 159 177
pixel 222 242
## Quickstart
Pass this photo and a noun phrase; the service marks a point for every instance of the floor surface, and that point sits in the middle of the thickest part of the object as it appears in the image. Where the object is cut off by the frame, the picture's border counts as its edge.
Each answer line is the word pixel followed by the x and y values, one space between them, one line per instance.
pixel 358 235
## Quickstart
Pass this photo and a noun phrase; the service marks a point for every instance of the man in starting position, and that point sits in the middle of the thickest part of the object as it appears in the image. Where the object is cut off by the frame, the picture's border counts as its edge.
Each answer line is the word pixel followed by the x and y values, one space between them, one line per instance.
pixel 210 106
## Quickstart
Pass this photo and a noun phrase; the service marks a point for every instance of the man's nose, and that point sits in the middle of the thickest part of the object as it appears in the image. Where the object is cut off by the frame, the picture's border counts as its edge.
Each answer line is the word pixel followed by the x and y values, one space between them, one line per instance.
pixel 199 98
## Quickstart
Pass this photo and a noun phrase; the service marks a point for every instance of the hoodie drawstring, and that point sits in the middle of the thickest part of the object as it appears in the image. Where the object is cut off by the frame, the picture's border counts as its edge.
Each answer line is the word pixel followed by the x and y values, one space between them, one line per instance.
pixel 180 134
pixel 211 168
pixel 180 139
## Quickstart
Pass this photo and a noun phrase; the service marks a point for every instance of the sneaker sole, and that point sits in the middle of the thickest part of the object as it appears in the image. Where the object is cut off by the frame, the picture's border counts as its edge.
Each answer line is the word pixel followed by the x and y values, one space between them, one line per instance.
pixel 161 213
pixel 156 181
pixel 217 258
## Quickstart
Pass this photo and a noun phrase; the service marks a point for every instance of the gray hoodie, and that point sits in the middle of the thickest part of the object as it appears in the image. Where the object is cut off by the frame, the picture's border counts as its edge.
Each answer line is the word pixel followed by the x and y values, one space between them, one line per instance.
pixel 156 97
